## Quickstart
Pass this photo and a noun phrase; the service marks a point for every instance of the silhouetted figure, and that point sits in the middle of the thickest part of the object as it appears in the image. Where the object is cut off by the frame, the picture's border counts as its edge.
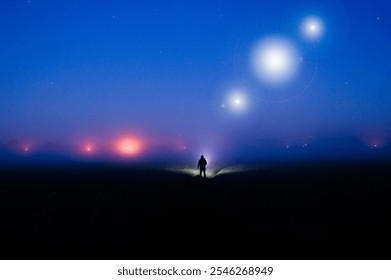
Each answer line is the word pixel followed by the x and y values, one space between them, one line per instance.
pixel 202 166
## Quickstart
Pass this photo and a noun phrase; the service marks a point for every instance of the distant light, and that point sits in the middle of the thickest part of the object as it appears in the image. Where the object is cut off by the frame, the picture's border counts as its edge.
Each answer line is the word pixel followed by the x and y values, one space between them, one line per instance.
pixel 129 146
pixel 237 101
pixel 182 148
pixel 25 148
pixel 312 27
pixel 375 141
pixel 275 60
pixel 88 148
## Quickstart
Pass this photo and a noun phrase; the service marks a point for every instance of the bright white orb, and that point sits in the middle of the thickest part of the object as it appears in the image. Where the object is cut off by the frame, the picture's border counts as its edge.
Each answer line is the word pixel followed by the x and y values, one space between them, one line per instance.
pixel 312 27
pixel 275 60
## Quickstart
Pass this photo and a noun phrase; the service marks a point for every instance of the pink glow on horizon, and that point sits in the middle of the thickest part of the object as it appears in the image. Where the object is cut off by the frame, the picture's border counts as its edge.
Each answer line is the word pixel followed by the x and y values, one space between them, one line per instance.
pixel 86 147
pixel 129 146
pixel 89 148
pixel 374 138
pixel 376 143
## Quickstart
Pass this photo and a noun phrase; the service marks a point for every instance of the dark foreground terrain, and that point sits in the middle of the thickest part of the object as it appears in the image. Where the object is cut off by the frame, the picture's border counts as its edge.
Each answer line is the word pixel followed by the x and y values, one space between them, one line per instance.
pixel 290 211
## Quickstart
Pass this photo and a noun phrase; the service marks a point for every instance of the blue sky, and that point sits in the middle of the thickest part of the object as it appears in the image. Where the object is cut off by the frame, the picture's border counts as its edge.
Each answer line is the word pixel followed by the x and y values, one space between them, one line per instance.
pixel 165 71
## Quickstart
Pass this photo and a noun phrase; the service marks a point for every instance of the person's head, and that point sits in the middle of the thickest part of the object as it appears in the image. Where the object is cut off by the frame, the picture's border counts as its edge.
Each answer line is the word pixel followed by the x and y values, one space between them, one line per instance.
pixel 202 156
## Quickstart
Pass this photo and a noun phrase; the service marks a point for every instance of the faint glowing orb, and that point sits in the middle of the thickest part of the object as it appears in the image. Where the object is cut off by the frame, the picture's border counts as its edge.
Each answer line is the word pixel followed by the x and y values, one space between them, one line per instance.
pixel 129 146
pixel 275 60
pixel 312 27
pixel 375 142
pixel 237 101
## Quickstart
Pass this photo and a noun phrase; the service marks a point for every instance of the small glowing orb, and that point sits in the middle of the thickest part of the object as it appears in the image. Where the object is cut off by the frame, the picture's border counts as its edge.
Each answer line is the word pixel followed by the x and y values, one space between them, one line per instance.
pixel 26 148
pixel 237 101
pixel 275 60
pixel 129 146
pixel 312 27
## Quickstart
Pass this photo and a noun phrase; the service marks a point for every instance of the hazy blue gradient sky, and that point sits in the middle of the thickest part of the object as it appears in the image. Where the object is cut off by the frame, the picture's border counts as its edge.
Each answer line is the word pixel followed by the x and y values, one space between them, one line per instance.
pixel 164 71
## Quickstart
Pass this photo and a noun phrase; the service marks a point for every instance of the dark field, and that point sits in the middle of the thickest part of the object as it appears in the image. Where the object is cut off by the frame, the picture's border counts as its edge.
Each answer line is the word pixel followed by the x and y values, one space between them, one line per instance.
pixel 287 211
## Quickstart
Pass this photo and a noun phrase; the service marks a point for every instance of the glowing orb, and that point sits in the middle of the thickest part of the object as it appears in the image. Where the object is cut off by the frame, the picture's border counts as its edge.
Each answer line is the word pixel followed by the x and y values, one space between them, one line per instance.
pixel 237 101
pixel 312 27
pixel 129 146
pixel 275 60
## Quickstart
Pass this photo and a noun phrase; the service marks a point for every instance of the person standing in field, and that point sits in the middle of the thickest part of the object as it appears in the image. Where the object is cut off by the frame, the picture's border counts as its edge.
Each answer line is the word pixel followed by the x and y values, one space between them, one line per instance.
pixel 202 166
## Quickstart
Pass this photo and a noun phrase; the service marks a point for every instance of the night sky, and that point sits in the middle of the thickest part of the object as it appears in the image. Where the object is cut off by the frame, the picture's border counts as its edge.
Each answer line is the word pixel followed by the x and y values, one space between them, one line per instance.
pixel 142 78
